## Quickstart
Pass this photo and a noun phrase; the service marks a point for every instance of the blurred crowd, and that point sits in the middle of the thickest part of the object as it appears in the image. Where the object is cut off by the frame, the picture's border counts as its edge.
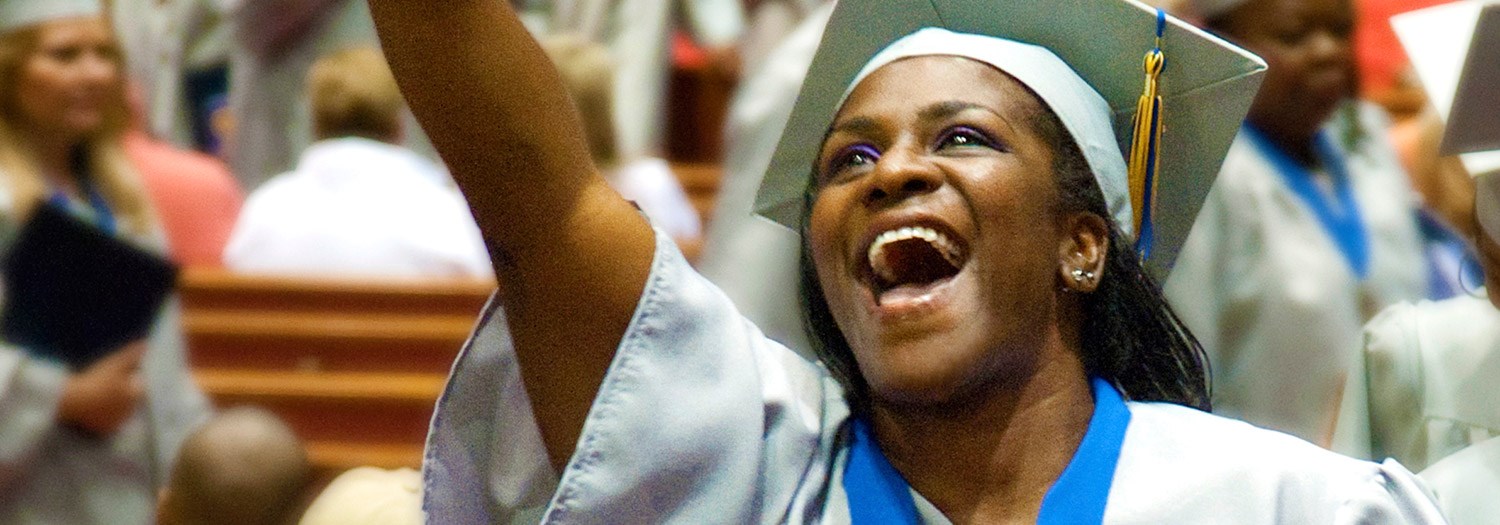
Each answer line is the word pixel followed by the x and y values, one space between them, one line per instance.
pixel 269 137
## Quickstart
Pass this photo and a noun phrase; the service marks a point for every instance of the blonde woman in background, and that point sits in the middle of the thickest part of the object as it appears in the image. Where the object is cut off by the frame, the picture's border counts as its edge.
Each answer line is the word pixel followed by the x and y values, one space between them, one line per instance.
pixel 80 446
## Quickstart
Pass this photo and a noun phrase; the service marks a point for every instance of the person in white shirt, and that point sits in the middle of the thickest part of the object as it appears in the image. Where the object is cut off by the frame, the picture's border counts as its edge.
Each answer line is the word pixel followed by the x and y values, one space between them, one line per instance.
pixel 357 204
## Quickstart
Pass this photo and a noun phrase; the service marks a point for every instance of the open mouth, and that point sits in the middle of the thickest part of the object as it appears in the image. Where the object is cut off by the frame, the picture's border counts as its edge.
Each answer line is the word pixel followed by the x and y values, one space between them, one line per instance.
pixel 912 257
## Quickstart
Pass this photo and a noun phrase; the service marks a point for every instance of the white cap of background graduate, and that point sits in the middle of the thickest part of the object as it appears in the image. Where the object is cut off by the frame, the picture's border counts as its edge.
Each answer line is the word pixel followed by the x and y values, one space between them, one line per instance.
pixel 1085 59
pixel 15 14
pixel 1455 49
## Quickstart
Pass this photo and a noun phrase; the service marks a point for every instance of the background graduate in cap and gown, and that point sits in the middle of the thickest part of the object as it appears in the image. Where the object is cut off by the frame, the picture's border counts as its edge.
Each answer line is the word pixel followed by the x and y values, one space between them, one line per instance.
pixel 993 349
pixel 1309 230
pixel 90 444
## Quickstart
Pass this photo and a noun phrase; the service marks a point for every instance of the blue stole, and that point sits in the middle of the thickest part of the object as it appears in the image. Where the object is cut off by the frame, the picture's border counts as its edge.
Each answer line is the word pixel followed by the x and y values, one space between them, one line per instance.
pixel 878 494
pixel 1341 218
pixel 100 217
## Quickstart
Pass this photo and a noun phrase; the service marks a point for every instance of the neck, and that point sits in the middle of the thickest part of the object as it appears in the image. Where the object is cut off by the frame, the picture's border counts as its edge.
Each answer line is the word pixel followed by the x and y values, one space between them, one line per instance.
pixel 54 157
pixel 995 462
pixel 1298 145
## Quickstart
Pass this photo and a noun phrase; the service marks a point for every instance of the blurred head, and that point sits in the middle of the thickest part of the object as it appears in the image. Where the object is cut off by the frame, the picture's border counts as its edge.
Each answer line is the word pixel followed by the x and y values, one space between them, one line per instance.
pixel 353 94
pixel 1307 46
pixel 947 219
pixel 369 496
pixel 588 74
pixel 61 90
pixel 60 80
pixel 244 466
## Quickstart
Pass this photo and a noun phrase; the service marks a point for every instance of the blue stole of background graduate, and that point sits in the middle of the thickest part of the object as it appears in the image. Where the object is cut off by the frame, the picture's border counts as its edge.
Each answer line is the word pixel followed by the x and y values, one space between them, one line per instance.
pixel 879 495
pixel 1338 213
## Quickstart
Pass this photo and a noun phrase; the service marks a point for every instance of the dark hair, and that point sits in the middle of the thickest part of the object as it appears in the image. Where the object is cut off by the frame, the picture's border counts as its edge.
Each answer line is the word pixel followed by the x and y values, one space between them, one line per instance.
pixel 1130 335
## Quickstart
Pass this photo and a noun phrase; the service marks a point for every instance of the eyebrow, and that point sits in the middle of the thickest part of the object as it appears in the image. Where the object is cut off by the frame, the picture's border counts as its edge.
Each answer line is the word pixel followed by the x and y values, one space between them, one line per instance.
pixel 949 108
pixel 937 111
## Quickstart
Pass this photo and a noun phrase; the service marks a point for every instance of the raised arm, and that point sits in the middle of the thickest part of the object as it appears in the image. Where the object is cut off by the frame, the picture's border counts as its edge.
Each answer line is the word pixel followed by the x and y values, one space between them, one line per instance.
pixel 572 256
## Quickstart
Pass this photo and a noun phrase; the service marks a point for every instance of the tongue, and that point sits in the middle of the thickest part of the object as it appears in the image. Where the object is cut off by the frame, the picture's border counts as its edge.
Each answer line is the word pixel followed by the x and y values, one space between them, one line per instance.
pixel 912 262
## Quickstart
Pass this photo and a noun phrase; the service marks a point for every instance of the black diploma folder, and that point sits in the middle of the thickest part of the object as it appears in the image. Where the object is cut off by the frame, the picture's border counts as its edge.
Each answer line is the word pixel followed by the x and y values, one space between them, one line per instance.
pixel 74 294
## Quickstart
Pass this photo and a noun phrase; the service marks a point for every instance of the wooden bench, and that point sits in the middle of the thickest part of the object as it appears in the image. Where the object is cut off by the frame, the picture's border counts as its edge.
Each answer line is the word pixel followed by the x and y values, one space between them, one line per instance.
pixel 354 367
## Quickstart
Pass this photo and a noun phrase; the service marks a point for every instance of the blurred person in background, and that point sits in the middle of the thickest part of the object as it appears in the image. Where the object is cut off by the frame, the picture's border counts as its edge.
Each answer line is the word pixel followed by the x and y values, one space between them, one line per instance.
pixel 91 445
pixel 243 467
pixel 588 75
pixel 177 53
pixel 357 203
pixel 639 35
pixel 1308 231
pixel 195 196
pixel 1423 388
pixel 369 496
pixel 273 45
pixel 752 260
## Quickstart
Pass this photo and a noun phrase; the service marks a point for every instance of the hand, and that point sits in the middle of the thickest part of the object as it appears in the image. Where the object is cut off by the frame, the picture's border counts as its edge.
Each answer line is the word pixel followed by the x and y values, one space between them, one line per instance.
pixel 103 396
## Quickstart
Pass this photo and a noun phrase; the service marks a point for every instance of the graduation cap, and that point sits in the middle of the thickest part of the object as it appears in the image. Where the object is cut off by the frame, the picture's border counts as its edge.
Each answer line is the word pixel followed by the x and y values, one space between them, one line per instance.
pixel 1455 49
pixel 1199 97
pixel 15 14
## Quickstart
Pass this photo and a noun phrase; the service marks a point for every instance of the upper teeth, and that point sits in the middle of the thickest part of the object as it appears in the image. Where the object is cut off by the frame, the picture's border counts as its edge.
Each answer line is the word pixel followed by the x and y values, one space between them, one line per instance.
pixel 941 242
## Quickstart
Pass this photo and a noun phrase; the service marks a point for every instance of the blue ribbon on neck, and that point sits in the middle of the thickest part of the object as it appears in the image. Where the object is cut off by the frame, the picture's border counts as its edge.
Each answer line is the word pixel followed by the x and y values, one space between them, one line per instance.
pixel 1338 214
pixel 879 495
pixel 102 217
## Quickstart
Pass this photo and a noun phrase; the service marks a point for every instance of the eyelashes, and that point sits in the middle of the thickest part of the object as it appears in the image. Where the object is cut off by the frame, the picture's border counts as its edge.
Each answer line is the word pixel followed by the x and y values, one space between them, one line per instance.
pixel 850 156
pixel 963 136
pixel 865 154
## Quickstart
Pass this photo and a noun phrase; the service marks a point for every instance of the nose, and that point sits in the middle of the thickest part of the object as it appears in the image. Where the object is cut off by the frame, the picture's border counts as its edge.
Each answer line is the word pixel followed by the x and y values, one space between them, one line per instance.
pixel 1329 47
pixel 95 67
pixel 902 173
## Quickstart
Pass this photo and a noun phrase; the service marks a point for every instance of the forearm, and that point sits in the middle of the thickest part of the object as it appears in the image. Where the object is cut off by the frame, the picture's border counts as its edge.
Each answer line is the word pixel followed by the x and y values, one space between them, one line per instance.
pixel 571 255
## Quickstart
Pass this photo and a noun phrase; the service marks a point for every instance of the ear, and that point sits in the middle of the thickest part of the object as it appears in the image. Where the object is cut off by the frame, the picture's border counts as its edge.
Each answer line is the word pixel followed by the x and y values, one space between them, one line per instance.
pixel 1081 251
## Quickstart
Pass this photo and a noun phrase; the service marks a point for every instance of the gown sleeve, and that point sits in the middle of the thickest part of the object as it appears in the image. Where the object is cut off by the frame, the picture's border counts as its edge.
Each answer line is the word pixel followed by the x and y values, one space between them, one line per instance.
pixel 30 390
pixel 700 419
pixel 1392 495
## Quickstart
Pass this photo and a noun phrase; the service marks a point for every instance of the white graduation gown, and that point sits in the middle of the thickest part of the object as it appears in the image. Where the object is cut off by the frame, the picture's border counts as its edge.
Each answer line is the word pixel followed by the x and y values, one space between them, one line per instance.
pixel 701 419
pixel 267 83
pixel 1265 290
pixel 1427 383
pixel 638 34
pixel 753 260
pixel 50 473
pixel 358 207
pixel 1467 484
pixel 163 41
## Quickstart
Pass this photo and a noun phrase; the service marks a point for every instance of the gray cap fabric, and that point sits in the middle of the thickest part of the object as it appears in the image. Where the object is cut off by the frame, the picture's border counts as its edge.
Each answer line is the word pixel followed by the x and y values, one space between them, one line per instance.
pixel 15 14
pixel 1206 90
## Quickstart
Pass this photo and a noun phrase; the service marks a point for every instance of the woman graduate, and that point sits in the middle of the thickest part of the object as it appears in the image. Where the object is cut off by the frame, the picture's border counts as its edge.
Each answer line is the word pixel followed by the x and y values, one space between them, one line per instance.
pixel 994 350
pixel 86 445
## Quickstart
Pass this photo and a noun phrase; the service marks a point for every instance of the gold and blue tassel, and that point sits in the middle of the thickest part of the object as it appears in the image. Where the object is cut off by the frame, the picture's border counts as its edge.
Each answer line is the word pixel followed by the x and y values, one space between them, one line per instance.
pixel 1145 144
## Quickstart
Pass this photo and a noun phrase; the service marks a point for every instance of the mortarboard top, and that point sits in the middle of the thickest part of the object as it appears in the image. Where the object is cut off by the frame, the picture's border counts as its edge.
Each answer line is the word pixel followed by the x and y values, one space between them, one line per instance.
pixel 1207 87
pixel 15 14
pixel 1455 49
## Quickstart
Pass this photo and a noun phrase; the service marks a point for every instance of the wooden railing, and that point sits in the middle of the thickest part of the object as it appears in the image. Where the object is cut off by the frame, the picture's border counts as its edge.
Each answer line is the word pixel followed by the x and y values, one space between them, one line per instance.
pixel 354 367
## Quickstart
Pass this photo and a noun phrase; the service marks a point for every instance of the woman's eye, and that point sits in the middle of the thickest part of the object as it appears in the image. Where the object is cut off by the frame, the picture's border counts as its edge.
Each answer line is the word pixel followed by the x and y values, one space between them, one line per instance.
pixel 964 136
pixel 850 157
